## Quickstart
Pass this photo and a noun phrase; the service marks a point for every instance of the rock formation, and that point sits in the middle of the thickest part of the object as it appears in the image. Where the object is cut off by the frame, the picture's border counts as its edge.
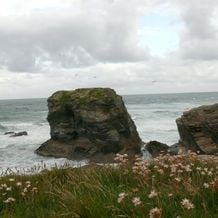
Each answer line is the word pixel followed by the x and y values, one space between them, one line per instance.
pixel 89 123
pixel 23 133
pixel 198 129
pixel 156 148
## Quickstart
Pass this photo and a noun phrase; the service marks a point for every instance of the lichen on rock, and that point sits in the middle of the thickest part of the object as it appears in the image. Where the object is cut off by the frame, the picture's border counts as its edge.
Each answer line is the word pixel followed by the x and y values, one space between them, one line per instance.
pixel 89 123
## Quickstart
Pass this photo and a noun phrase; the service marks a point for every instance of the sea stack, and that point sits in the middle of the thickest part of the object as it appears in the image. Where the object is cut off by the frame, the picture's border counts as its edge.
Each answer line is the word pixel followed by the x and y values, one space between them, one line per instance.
pixel 91 123
pixel 198 129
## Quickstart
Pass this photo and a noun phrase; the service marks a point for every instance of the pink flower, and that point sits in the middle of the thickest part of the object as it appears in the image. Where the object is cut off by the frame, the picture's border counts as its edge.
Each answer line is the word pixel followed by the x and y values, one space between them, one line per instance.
pixel 153 194
pixel 186 204
pixel 155 213
pixel 121 197
pixel 136 201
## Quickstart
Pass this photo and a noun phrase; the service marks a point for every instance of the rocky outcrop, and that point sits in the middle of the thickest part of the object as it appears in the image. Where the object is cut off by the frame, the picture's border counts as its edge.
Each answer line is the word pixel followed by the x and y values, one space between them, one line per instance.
pixel 198 129
pixel 156 148
pixel 23 133
pixel 89 123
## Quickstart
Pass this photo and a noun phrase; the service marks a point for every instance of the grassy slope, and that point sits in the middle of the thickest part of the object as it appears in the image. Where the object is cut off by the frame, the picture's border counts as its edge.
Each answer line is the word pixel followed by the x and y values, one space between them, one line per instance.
pixel 94 191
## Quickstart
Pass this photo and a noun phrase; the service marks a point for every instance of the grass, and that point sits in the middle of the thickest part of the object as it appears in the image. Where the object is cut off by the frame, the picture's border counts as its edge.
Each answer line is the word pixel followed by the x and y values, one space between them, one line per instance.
pixel 176 186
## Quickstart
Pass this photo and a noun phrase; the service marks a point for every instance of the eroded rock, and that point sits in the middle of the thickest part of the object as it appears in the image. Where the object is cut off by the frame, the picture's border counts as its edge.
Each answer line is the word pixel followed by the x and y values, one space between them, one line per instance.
pixel 89 123
pixel 198 129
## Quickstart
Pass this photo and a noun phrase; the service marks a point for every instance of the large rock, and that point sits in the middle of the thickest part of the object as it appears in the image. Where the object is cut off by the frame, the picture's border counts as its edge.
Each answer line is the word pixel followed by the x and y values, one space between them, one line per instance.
pixel 89 123
pixel 198 129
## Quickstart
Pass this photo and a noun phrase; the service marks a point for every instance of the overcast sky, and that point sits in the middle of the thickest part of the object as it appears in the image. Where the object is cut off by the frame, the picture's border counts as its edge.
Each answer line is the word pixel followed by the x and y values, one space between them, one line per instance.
pixel 134 46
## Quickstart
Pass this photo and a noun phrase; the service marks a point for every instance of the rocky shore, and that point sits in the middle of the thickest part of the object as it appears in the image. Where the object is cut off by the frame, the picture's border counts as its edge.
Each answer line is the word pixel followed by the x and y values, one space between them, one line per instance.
pixel 94 124
pixel 198 130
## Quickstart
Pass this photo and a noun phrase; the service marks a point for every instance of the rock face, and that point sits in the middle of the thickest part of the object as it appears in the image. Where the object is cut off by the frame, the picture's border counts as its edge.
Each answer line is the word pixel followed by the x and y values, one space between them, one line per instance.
pixel 156 148
pixel 198 129
pixel 89 123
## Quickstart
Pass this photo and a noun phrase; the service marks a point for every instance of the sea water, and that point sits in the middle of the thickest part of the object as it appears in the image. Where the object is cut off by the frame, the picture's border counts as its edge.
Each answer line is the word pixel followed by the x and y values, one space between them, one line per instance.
pixel 153 114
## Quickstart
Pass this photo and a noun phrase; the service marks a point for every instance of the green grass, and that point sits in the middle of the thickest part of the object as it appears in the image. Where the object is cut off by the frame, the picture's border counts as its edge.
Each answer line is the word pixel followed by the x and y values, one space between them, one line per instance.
pixel 94 191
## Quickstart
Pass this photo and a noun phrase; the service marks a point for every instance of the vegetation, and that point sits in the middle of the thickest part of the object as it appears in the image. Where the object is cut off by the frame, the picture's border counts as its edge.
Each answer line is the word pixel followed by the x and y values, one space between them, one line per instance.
pixel 84 96
pixel 176 186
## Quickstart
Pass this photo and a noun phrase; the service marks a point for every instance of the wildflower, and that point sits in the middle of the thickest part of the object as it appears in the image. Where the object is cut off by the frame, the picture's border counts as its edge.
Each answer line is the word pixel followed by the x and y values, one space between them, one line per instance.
pixel 188 168
pixel 9 200
pixel 210 173
pixel 136 201
pixel 160 171
pixel 187 204
pixel 121 197
pixel 155 213
pixel 25 190
pixel 173 169
pixel 206 185
pixel 4 185
pixel 34 189
pixel 135 190
pixel 11 179
pixel 178 179
pixel 8 189
pixel 170 195
pixel 19 184
pixel 153 194
pixel 166 166
pixel 28 182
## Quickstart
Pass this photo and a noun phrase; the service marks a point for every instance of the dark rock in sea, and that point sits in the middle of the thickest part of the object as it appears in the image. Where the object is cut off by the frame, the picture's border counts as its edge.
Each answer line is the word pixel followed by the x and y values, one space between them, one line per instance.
pixel 198 129
pixel 90 123
pixel 156 148
pixel 23 133
pixel 9 133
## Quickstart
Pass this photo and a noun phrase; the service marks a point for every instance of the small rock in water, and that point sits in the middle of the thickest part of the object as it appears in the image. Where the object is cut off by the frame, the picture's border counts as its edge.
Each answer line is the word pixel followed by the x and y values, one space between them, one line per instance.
pixel 9 133
pixel 23 133
pixel 156 148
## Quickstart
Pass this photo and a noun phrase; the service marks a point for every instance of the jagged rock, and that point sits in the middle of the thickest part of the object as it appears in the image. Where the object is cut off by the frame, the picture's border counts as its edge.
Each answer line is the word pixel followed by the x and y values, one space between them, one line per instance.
pixel 23 133
pixel 89 123
pixel 198 129
pixel 156 148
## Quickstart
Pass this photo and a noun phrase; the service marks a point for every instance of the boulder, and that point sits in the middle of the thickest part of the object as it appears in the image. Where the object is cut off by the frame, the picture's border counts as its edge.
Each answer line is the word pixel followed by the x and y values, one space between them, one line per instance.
pixel 177 148
pixel 156 148
pixel 198 129
pixel 89 123
pixel 23 133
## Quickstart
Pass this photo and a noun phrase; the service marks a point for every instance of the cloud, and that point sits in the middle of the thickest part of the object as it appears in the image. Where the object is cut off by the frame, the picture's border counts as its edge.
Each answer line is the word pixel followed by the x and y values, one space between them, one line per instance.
pixel 199 36
pixel 71 37
pixel 69 44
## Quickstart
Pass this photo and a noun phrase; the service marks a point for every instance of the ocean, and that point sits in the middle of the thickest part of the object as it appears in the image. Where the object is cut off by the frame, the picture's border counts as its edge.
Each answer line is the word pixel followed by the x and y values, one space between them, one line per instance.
pixel 153 114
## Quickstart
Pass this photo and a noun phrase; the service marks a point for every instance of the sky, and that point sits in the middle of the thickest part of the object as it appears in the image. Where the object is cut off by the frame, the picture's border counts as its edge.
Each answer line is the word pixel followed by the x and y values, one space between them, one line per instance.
pixel 134 46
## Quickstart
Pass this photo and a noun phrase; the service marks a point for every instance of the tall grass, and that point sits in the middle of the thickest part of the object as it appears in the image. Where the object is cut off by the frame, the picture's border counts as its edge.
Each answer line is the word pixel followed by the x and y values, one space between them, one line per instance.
pixel 168 186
